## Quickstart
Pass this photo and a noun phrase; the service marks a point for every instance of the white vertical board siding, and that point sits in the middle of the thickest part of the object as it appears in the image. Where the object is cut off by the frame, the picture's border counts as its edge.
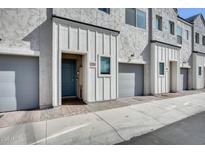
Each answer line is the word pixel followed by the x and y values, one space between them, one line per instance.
pixel 106 88
pixel 113 43
pixel 165 54
pixel 55 65
pixel 92 59
pixel 83 40
pixel 92 46
pixel 92 86
pixel 73 38
pixel 199 81
pixel 106 85
pixel 64 30
pixel 99 44
pixel 107 45
pixel 91 42
pixel 99 82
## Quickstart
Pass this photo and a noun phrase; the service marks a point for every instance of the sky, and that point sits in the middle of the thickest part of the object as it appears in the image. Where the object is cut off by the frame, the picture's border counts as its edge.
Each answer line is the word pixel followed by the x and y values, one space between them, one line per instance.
pixel 188 12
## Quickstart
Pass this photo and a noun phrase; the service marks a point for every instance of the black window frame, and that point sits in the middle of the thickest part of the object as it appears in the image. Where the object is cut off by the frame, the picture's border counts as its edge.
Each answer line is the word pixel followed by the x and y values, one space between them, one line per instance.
pixel 128 19
pixel 203 40
pixel 179 36
pixel 187 34
pixel 106 10
pixel 199 70
pixel 171 27
pixel 197 38
pixel 159 24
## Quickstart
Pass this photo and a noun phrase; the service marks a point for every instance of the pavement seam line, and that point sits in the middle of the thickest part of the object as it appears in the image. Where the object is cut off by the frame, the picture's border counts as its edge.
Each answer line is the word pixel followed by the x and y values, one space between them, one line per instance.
pixel 109 125
pixel 148 116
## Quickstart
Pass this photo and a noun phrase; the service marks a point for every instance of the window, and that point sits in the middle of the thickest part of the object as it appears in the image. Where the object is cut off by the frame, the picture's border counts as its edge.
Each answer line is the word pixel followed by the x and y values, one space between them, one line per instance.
pixel 105 65
pixel 197 38
pixel 135 18
pixel 161 68
pixel 106 10
pixel 141 19
pixel 159 22
pixel 179 35
pixel 171 27
pixel 187 34
pixel 203 40
pixel 130 16
pixel 199 69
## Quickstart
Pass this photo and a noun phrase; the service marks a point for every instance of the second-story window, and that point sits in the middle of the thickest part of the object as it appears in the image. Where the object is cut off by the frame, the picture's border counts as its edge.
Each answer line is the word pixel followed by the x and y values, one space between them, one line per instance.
pixel 135 17
pixel 171 27
pixel 187 34
pixel 141 19
pixel 179 35
pixel 159 22
pixel 203 40
pixel 130 16
pixel 197 38
pixel 106 10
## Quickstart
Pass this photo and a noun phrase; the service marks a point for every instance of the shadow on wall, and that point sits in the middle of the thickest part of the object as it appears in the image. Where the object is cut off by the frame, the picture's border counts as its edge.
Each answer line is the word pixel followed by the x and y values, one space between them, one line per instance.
pixel 41 40
pixel 22 89
pixel 37 36
pixel 146 53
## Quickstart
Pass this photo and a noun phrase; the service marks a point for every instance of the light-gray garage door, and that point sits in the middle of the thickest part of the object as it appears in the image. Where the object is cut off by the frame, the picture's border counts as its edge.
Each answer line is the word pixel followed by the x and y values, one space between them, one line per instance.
pixel 131 80
pixel 184 78
pixel 19 83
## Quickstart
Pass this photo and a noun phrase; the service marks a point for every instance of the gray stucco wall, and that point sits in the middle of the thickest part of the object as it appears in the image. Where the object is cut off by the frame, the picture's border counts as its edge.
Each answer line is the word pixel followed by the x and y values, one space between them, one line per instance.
pixel 186 47
pixel 30 30
pixel 199 27
pixel 167 14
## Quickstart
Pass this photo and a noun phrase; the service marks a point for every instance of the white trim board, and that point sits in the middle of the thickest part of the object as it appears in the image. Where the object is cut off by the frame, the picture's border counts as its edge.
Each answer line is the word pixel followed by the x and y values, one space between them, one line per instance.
pixel 19 51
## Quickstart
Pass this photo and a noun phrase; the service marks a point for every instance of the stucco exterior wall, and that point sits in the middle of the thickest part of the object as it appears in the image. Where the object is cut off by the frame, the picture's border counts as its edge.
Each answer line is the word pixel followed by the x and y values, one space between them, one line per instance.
pixel 167 14
pixel 186 47
pixel 199 27
pixel 29 32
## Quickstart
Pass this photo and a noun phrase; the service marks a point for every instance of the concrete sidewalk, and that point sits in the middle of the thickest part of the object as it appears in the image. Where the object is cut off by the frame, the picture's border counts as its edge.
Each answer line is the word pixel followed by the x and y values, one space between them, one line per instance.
pixel 105 127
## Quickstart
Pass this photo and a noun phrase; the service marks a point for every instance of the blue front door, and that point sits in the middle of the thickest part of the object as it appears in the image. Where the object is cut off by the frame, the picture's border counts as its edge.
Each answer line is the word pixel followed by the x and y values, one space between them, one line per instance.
pixel 68 77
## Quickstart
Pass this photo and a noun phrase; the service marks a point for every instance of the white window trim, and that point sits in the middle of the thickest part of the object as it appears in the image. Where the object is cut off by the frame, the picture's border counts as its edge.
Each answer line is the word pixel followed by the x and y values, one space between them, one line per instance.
pixel 160 75
pixel 198 71
pixel 99 66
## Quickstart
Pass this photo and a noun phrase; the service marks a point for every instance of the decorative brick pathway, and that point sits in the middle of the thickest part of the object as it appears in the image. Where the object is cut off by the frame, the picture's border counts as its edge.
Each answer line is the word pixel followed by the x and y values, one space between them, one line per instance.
pixel 75 107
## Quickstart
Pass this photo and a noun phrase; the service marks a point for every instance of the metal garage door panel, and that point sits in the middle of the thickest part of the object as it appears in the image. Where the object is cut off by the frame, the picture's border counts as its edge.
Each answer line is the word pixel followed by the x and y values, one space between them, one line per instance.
pixel 131 79
pixel 19 83
pixel 184 78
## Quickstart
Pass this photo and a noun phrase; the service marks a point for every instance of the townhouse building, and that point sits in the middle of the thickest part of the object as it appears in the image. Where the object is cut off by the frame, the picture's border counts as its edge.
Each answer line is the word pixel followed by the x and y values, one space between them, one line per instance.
pixel 98 54
pixel 198 48
pixel 171 43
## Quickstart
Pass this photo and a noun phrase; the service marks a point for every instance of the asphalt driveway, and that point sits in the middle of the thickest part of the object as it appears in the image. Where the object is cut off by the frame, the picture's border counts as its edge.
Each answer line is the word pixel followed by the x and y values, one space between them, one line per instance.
pixel 190 131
